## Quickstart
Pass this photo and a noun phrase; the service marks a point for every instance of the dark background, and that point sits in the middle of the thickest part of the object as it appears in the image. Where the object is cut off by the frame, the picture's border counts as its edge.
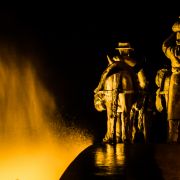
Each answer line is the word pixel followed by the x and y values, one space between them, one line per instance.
pixel 72 42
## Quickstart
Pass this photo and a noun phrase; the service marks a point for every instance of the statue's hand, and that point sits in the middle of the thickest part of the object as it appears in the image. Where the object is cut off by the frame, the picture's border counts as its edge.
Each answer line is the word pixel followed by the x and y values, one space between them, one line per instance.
pixel 158 102
pixel 99 101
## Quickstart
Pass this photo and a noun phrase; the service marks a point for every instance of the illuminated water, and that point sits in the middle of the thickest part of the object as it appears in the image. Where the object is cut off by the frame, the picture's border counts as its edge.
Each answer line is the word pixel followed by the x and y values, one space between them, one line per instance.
pixel 30 148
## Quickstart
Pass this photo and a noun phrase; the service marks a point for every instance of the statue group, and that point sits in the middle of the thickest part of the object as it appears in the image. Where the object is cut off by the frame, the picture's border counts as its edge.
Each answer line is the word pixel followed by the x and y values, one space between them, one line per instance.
pixel 124 94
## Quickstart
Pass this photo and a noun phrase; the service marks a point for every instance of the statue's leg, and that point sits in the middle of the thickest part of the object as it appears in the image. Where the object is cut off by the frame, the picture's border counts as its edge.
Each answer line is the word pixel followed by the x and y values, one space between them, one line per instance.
pixel 178 140
pixel 110 123
pixel 127 125
pixel 145 127
pixel 173 131
pixel 133 122
pixel 122 117
pixel 119 128
pixel 125 128
pixel 134 127
pixel 124 120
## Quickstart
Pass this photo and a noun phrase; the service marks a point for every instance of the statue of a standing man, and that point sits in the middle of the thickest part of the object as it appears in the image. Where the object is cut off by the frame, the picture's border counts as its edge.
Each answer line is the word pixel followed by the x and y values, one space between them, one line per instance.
pixel 171 48
pixel 117 91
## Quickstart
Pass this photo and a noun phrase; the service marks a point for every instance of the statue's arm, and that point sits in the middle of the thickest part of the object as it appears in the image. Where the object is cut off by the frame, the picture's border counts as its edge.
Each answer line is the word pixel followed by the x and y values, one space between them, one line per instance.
pixel 104 76
pixel 142 79
pixel 168 44
pixel 130 61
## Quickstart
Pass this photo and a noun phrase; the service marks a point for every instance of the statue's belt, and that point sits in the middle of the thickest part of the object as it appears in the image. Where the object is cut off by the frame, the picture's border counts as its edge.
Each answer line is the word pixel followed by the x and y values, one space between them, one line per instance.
pixel 119 91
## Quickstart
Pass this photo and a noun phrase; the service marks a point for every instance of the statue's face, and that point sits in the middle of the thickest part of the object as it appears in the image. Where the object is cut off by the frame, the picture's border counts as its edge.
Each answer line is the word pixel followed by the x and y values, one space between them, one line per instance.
pixel 124 52
pixel 178 38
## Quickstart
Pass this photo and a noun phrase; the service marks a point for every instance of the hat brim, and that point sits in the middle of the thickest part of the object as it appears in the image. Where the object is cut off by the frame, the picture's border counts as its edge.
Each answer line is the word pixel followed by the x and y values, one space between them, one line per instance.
pixel 125 48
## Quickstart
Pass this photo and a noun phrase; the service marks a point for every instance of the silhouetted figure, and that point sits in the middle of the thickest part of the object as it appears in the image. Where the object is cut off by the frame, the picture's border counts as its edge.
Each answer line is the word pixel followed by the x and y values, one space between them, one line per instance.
pixel 162 80
pixel 171 48
pixel 120 84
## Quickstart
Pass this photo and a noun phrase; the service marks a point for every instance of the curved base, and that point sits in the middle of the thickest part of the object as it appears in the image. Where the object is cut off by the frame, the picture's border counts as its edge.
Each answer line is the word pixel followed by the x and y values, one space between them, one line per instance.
pixel 126 161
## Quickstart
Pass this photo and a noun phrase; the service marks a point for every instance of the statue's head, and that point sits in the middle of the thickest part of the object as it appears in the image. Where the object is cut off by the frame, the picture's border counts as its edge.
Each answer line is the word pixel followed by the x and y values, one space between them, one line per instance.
pixel 176 29
pixel 124 48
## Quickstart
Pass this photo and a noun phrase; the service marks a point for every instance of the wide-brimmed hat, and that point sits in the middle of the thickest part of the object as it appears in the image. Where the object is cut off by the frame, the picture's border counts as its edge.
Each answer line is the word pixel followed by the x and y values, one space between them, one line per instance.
pixel 124 45
pixel 176 26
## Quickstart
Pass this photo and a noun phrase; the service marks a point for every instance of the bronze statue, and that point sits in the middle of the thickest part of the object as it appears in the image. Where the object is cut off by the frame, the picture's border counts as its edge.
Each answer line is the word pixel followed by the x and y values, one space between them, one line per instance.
pixel 171 48
pixel 117 91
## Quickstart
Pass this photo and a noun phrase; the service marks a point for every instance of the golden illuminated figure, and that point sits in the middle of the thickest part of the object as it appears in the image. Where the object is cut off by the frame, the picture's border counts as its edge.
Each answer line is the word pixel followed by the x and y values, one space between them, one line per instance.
pixel 171 48
pixel 117 91
pixel 162 80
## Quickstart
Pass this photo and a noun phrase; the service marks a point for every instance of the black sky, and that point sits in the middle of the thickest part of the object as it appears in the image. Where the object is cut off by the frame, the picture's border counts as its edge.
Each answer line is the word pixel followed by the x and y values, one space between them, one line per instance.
pixel 72 43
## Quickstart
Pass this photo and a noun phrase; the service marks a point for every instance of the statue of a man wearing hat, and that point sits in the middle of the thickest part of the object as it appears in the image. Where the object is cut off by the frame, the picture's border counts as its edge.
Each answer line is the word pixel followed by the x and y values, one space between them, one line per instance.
pixel 171 48
pixel 116 93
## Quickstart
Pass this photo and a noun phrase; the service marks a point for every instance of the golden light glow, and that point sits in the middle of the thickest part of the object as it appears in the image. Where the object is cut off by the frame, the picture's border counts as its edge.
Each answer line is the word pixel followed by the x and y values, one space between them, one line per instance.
pixel 30 148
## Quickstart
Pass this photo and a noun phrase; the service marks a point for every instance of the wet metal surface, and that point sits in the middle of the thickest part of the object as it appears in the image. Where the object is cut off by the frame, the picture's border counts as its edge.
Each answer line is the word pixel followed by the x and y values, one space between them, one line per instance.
pixel 130 162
